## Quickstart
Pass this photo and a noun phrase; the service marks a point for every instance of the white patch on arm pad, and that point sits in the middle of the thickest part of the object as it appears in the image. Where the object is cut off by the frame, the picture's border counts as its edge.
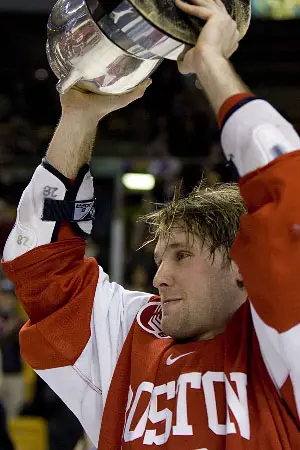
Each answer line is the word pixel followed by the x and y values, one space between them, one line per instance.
pixel 29 230
pixel 256 134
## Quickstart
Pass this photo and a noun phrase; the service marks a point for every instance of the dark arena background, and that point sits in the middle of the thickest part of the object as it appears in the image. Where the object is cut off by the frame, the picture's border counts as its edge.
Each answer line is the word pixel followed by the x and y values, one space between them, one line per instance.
pixel 170 135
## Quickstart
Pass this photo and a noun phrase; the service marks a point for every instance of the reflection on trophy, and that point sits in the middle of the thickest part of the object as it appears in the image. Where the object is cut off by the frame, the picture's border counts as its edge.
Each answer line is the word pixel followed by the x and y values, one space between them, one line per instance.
pixel 110 46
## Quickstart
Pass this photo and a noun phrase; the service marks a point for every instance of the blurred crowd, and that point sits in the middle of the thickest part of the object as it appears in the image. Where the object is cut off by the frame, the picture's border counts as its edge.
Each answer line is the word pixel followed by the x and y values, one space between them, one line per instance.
pixel 171 119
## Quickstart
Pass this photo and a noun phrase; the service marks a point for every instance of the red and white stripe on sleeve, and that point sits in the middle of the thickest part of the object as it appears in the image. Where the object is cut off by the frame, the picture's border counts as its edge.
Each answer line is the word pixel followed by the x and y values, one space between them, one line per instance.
pixel 267 248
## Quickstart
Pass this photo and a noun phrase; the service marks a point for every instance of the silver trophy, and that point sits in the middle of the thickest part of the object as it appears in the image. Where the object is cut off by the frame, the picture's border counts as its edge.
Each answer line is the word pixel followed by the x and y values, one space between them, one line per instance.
pixel 111 46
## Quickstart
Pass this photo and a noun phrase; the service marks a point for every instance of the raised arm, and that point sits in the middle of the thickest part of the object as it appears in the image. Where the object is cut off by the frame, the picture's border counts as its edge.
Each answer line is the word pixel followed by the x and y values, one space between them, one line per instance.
pixel 263 146
pixel 72 143
pixel 79 320
pixel 209 59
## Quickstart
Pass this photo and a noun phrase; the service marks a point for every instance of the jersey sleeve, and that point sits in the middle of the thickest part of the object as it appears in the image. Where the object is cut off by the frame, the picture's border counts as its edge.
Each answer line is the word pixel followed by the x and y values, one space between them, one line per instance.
pixel 267 247
pixel 78 318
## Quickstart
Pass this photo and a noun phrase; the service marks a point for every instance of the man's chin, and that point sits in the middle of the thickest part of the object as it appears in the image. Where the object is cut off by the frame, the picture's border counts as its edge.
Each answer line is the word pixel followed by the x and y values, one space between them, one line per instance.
pixel 173 330
pixel 167 329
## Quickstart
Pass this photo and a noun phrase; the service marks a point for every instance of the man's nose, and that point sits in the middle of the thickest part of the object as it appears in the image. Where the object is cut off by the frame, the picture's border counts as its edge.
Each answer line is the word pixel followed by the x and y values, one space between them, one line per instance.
pixel 163 276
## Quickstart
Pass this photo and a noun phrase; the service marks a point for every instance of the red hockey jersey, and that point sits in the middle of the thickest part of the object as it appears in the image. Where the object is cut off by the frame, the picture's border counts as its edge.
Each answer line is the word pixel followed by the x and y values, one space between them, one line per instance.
pixel 101 348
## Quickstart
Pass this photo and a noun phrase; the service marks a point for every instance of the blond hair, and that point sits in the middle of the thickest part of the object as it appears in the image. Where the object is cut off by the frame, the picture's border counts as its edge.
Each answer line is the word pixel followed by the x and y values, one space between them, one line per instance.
pixel 210 212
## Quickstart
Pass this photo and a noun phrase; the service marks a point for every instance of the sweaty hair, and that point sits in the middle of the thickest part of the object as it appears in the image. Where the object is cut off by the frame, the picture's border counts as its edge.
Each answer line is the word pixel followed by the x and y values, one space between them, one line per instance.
pixel 210 212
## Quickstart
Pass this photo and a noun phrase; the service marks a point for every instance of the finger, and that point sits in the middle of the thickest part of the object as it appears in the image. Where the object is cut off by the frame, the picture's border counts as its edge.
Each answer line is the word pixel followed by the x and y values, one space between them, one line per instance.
pixel 185 65
pixel 143 86
pixel 138 92
pixel 80 89
pixel 202 12
pixel 182 68
pixel 221 4
pixel 198 85
pixel 214 5
pixel 140 89
pixel 208 3
pixel 236 46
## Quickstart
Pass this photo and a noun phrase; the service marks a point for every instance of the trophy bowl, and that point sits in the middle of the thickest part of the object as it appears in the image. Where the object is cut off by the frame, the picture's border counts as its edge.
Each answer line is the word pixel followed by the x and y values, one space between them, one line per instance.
pixel 111 46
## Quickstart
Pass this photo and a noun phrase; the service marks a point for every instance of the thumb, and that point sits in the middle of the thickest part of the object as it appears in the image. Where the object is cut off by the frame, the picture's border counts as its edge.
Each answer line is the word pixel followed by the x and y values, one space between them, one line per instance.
pixel 198 85
pixel 138 92
pixel 185 65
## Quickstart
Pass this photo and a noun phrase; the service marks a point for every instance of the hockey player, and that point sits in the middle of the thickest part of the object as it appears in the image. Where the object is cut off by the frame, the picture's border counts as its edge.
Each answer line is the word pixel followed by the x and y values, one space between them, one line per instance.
pixel 214 362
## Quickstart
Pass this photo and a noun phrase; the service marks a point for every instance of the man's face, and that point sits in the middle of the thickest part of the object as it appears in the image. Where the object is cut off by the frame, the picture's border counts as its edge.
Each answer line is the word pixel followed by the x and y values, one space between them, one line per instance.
pixel 198 295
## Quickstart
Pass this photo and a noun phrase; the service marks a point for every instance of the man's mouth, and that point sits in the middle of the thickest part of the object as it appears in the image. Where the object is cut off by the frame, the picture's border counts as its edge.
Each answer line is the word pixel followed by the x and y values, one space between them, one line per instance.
pixel 170 300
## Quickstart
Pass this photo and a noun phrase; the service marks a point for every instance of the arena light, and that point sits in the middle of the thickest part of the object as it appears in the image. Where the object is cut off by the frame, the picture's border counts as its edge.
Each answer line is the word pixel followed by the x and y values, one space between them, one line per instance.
pixel 138 181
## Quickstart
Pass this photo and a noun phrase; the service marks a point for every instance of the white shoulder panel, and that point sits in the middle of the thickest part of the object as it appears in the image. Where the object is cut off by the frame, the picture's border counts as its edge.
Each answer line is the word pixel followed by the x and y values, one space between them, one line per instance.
pixel 114 311
pixel 255 134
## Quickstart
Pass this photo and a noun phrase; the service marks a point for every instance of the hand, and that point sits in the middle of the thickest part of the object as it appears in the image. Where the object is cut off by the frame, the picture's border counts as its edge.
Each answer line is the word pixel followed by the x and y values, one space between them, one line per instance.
pixel 93 107
pixel 218 38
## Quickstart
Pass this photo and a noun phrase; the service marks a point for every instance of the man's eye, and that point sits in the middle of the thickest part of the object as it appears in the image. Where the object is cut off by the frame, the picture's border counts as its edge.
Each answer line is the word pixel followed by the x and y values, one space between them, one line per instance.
pixel 181 255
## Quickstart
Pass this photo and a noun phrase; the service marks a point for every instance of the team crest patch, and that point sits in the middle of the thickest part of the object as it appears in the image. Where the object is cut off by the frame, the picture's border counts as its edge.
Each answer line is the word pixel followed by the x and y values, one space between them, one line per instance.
pixel 149 318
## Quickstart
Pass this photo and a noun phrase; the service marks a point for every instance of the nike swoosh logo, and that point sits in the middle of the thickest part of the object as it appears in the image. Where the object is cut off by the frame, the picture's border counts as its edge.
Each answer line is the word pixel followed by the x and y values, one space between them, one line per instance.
pixel 171 360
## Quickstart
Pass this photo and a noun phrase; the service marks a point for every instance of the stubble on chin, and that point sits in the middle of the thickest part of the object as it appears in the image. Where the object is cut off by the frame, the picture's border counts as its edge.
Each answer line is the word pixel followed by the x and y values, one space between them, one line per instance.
pixel 172 326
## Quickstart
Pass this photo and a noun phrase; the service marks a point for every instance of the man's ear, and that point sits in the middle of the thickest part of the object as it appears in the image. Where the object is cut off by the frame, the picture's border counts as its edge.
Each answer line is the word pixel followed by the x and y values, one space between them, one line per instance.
pixel 237 274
